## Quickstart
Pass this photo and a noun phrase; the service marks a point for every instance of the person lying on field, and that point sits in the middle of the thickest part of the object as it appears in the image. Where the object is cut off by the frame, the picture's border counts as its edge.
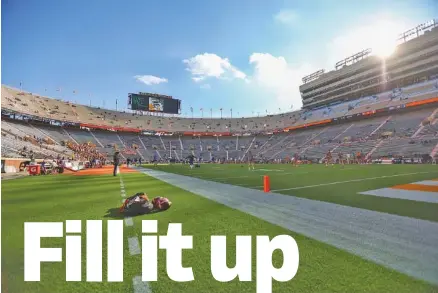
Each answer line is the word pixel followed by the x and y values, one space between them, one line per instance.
pixel 141 204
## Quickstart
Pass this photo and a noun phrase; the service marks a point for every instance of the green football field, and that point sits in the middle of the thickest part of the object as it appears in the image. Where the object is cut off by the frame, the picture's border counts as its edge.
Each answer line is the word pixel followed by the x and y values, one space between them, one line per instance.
pixel 323 268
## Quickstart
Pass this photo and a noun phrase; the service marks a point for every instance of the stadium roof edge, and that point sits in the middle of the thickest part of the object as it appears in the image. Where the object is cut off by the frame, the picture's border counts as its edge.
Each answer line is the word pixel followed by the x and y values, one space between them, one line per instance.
pixel 423 28
pixel 113 110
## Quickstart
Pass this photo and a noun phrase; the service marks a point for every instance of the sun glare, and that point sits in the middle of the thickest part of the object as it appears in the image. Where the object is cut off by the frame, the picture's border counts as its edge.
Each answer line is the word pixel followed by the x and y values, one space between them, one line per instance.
pixel 383 41
pixel 384 49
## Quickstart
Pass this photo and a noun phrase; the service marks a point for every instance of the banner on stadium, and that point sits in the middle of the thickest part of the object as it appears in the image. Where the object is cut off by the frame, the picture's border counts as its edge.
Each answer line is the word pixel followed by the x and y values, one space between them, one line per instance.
pixel 309 124
pixel 383 161
pixel 163 133
pixel 207 133
pixel 110 128
pixel 422 102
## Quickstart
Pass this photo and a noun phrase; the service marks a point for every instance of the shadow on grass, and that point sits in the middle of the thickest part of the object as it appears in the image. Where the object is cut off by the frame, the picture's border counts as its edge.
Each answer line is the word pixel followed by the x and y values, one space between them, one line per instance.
pixel 114 213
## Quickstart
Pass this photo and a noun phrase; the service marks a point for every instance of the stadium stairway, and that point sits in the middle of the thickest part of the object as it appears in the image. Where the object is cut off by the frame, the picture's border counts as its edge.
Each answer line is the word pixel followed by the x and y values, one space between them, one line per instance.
pixel 431 118
pixel 244 154
pixel 162 142
pixel 140 154
pixel 44 133
pixel 345 130
pixel 144 147
pixel 434 151
pixel 307 141
pixel 180 142
pixel 271 146
pixel 121 141
pixel 430 130
pixel 95 138
pixel 69 136
pixel 381 125
pixel 370 153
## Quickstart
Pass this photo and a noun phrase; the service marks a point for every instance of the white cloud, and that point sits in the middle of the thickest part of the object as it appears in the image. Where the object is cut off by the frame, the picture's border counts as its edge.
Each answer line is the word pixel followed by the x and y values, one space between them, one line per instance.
pixel 280 78
pixel 205 86
pixel 209 65
pixel 286 16
pixel 150 79
pixel 197 79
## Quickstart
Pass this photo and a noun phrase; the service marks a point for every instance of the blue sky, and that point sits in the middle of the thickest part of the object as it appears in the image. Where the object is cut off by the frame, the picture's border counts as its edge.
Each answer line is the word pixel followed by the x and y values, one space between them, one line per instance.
pixel 248 55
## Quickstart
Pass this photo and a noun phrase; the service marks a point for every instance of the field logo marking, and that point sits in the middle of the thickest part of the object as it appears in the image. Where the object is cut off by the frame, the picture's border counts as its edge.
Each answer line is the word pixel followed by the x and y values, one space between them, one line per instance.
pixel 422 191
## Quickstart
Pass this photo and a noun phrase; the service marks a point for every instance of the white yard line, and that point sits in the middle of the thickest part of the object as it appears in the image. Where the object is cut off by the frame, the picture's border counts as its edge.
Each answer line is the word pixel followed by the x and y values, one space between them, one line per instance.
pixel 220 178
pixel 134 246
pixel 134 249
pixel 129 222
pixel 348 181
pixel 246 176
pixel 140 286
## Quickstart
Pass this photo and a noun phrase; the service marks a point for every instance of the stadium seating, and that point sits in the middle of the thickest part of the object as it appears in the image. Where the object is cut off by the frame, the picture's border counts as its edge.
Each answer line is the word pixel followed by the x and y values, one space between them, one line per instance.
pixel 55 109
pixel 379 134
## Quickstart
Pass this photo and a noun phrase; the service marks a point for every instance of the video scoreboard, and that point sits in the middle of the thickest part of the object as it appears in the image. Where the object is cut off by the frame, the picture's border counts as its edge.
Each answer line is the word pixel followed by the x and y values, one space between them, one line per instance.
pixel 154 103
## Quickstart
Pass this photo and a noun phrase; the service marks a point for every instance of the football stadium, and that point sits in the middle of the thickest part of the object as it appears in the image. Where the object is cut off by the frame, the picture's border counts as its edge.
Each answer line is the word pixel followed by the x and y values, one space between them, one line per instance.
pixel 351 176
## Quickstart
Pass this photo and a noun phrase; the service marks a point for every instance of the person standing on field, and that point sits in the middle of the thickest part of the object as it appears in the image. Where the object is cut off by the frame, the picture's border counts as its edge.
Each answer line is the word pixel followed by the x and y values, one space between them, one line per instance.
pixel 116 160
pixel 250 161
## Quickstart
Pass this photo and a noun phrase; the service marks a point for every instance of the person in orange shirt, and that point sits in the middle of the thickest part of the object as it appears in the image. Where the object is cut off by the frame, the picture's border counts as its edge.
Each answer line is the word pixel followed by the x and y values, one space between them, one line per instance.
pixel 359 157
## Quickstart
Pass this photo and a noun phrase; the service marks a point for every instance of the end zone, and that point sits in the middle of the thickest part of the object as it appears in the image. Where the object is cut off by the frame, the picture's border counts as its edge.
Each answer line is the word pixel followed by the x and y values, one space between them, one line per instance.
pixel 425 191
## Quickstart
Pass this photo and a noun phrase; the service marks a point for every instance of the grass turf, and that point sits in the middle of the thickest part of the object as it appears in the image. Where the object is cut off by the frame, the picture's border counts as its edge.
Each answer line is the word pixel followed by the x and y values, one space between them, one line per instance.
pixel 304 180
pixel 59 198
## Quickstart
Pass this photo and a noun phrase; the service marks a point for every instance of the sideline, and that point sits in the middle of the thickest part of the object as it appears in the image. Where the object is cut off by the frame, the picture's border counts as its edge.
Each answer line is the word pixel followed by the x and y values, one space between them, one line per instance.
pixel 404 244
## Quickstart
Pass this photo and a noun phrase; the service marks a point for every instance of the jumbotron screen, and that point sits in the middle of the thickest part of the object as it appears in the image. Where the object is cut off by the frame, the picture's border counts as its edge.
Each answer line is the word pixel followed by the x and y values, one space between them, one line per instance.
pixel 154 103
